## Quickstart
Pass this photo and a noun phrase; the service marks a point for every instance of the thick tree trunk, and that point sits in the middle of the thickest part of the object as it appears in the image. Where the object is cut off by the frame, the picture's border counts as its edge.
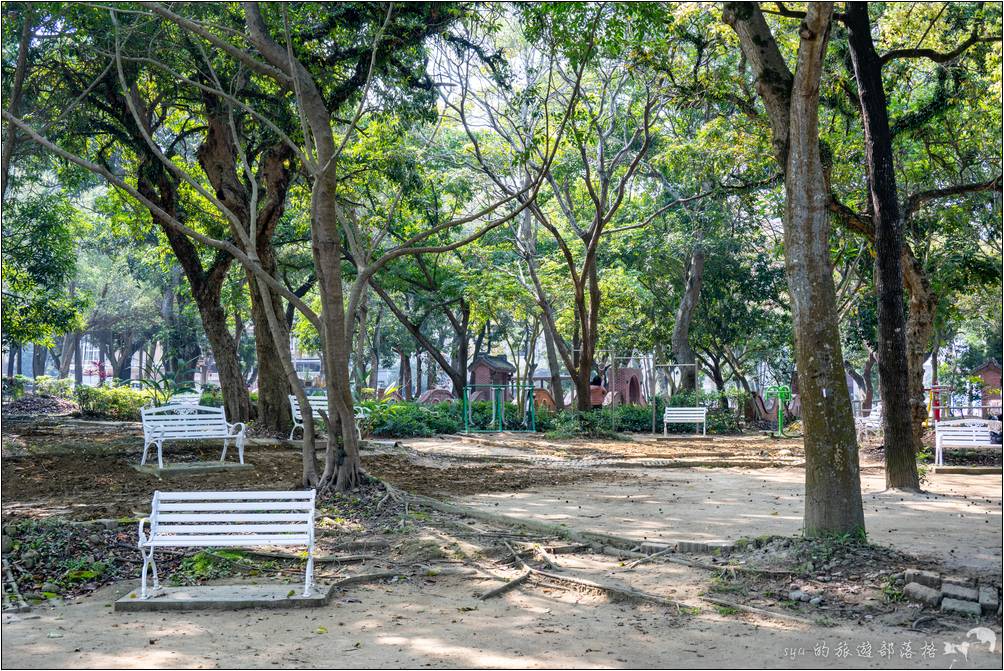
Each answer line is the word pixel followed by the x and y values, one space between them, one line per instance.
pixel 900 447
pixel 342 463
pixel 832 480
pixel 69 350
pixel 919 329
pixel 273 384
pixel 39 355
pixel 554 367
pixel 680 340
pixel 236 403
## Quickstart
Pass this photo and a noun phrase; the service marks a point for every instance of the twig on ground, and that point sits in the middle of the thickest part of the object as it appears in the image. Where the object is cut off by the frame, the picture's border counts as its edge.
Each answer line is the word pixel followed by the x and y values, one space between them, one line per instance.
pixel 638 562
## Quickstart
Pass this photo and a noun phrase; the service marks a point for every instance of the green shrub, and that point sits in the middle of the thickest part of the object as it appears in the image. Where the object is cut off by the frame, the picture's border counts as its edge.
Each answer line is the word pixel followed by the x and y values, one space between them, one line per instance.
pixel 119 403
pixel 14 386
pixel 51 386
pixel 608 422
pixel 406 420
pixel 212 396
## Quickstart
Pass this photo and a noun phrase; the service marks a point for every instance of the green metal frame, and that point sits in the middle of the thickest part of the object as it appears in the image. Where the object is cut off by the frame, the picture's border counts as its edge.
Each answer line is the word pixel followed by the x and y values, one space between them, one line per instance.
pixel 498 407
pixel 782 393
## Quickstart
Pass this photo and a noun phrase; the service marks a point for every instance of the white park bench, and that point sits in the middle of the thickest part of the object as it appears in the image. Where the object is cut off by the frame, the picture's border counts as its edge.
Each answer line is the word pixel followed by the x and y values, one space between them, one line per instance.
pixel 227 519
pixel 870 426
pixel 963 434
pixel 179 422
pixel 685 416
pixel 318 403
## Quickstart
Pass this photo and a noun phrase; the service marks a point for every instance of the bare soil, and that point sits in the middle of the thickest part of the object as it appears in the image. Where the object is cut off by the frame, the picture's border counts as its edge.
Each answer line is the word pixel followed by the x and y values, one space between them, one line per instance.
pixel 429 614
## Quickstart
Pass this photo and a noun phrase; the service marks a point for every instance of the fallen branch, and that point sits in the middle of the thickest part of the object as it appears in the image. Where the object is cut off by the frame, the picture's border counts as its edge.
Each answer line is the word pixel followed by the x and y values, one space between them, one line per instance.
pixel 502 589
pixel 757 611
pixel 625 593
pixel 325 559
pixel 364 578
pixel 639 562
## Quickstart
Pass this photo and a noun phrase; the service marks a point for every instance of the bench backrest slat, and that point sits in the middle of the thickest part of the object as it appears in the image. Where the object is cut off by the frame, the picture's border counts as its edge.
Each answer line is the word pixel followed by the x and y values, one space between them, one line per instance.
pixel 307 495
pixel 685 415
pixel 184 421
pixel 227 517
pixel 316 403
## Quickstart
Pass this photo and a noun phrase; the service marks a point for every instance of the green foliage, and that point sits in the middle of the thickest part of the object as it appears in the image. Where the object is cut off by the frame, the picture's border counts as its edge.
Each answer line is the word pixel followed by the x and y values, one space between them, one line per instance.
pixel 14 386
pixel 51 386
pixel 119 403
pixel 38 263
pixel 403 420
pixel 608 422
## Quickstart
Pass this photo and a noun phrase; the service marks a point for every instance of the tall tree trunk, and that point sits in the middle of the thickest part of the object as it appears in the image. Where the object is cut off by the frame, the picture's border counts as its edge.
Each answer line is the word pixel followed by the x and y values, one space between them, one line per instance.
pixel 919 329
pixel 359 357
pixel 11 358
pixel 69 350
pixel 554 367
pixel 78 364
pixel 39 355
pixel 418 374
pixel 900 446
pixel 680 340
pixel 273 384
pixel 832 479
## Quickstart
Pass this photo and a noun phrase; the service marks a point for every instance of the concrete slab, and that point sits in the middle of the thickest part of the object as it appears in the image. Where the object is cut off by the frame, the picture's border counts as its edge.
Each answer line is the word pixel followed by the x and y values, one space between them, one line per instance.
pixel 968 470
pixel 225 597
pixel 191 468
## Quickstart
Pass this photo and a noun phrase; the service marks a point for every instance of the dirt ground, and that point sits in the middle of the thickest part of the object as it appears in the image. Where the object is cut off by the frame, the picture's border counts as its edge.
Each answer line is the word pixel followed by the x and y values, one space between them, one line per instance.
pixel 429 614
pixel 438 623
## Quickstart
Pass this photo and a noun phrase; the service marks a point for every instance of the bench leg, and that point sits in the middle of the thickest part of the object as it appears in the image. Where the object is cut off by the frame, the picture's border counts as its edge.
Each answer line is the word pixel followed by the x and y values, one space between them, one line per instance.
pixel 293 430
pixel 224 455
pixel 309 579
pixel 146 448
pixel 240 448
pixel 160 454
pixel 153 567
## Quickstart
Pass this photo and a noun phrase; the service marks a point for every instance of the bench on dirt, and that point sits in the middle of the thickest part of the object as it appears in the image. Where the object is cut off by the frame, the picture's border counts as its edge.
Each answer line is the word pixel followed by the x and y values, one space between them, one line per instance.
pixel 188 422
pixel 318 403
pixel 868 426
pixel 970 433
pixel 685 416
pixel 227 519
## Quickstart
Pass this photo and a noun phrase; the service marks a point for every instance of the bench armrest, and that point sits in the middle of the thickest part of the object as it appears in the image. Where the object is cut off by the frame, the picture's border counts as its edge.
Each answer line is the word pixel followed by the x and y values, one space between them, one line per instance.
pixel 233 428
pixel 142 536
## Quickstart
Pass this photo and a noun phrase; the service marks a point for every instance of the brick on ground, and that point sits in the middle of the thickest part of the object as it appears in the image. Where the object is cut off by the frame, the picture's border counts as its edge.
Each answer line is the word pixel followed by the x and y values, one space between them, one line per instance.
pixel 928 596
pixel 960 607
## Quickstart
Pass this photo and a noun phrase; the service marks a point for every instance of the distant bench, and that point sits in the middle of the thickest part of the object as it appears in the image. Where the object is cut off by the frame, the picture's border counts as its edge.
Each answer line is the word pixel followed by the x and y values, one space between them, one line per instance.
pixel 962 434
pixel 188 422
pixel 685 416
pixel 227 519
pixel 318 403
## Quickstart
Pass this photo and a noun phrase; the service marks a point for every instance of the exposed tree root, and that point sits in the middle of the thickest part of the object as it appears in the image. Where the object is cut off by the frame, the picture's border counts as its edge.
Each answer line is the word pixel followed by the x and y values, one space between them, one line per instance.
pixel 515 582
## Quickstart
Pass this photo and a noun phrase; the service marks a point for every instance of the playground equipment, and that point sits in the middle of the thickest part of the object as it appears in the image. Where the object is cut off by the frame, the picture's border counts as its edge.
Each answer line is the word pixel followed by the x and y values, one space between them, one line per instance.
pixel 782 393
pixel 497 395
